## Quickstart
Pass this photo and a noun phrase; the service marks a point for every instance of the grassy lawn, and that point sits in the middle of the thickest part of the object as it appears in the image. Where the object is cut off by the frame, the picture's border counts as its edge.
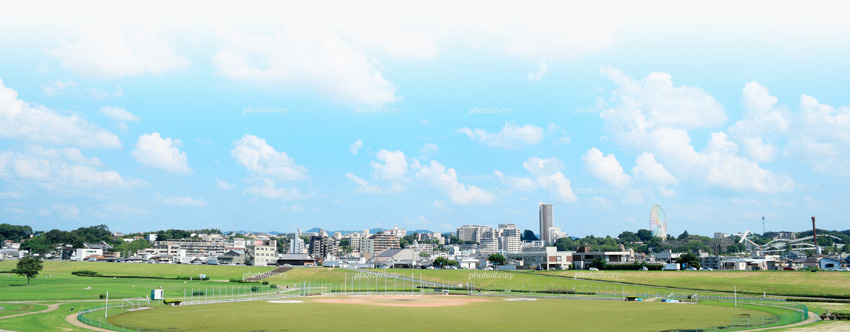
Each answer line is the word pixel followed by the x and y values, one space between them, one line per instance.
pixel 490 315
pixel 754 282
pixel 19 308
pixel 46 322
pixel 214 272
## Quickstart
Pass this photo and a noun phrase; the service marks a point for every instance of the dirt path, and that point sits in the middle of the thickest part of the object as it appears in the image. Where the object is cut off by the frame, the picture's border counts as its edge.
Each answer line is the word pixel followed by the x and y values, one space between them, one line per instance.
pixel 72 319
pixel 50 307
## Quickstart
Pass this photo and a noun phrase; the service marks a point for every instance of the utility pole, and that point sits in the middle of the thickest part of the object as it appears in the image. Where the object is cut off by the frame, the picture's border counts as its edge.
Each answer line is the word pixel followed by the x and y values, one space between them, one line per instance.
pixel 763 229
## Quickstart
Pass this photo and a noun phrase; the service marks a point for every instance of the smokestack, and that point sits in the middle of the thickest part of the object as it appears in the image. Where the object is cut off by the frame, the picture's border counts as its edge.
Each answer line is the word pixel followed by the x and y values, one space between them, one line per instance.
pixel 815 236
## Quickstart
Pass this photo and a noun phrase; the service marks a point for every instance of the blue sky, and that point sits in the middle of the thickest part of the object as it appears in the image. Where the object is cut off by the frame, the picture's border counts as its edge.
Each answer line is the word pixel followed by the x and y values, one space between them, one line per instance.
pixel 137 118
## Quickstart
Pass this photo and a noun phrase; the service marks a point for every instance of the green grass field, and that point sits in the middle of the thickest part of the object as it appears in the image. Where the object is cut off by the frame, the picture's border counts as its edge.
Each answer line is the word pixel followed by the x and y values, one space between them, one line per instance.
pixel 788 283
pixel 61 285
pixel 494 314
pixel 10 309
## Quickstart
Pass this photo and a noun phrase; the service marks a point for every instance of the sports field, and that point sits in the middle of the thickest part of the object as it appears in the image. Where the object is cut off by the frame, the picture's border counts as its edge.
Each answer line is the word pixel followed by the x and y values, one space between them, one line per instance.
pixel 790 283
pixel 435 313
pixel 60 294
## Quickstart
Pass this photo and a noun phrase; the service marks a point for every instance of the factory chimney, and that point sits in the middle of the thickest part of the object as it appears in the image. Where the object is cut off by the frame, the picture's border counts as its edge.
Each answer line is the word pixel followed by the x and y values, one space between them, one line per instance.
pixel 815 236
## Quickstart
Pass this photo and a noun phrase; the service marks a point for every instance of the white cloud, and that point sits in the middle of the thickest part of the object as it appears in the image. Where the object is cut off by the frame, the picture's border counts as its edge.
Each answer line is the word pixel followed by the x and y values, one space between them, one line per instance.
pixel 821 137
pixel 67 211
pixel 605 168
pixel 548 174
pixel 438 176
pixel 760 120
pixel 394 166
pixel 162 153
pixel 516 183
pixel 98 93
pixel 429 148
pixel 534 77
pixel 510 137
pixel 646 168
pixel 268 189
pixel 262 159
pixel 56 88
pixel 36 123
pixel 60 168
pixel 110 51
pixel 654 116
pixel 360 182
pixel 223 185
pixel 324 64
pixel 182 201
pixel 118 113
pixel 355 147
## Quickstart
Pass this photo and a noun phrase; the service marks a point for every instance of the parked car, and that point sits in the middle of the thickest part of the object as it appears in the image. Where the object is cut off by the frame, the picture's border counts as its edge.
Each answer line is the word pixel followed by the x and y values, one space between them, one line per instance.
pixel 690 269
pixel 593 269
pixel 843 269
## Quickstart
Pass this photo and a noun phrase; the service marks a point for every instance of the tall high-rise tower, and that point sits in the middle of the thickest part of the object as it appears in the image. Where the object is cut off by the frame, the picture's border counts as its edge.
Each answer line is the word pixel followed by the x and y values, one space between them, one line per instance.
pixel 546 221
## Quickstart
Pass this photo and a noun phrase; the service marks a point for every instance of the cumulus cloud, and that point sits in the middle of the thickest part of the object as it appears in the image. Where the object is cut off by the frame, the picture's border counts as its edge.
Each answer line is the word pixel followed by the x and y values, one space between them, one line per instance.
pixel 654 115
pixel 182 201
pixel 429 148
pixel 648 169
pixel 262 159
pixel 510 137
pixel 822 137
pixel 354 148
pixel 392 165
pixel 223 185
pixel 515 182
pixel 118 113
pixel 360 182
pixel 547 173
pixel 111 51
pixel 163 153
pixel 325 64
pixel 605 168
pixel 36 123
pixel 56 88
pixel 61 168
pixel 761 122
pixel 437 175
pixel 534 77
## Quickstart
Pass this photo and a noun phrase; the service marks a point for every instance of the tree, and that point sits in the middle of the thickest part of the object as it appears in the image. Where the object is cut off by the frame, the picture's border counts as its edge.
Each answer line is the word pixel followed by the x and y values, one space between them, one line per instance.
pixel 644 235
pixel 566 244
pixel 497 259
pixel 598 263
pixel 528 235
pixel 689 259
pixel 683 236
pixel 29 267
pixel 628 237
pixel 442 261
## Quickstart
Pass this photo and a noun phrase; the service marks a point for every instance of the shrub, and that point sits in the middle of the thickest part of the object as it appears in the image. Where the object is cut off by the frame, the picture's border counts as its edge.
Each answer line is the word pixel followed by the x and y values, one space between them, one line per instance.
pixel 255 288
pixel 265 282
pixel 198 293
pixel 102 296
pixel 86 273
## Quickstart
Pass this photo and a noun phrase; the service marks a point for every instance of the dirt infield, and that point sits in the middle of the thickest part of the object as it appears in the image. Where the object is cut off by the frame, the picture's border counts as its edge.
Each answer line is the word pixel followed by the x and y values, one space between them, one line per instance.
pixel 403 301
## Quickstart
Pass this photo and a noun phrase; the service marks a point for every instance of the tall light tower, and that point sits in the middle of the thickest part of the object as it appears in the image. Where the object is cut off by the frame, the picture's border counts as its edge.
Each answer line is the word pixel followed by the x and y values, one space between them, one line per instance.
pixel 763 229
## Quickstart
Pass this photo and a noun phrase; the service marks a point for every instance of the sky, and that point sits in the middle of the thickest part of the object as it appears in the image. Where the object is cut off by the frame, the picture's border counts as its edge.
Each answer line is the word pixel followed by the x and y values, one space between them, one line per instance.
pixel 347 116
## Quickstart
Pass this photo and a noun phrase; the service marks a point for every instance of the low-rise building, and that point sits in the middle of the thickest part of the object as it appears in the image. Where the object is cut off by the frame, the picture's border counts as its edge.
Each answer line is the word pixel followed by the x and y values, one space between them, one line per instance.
pixel 584 256
pixel 543 258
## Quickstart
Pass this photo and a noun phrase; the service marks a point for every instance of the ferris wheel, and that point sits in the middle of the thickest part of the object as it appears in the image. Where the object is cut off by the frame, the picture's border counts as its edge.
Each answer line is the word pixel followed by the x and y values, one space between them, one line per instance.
pixel 658 222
